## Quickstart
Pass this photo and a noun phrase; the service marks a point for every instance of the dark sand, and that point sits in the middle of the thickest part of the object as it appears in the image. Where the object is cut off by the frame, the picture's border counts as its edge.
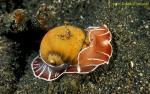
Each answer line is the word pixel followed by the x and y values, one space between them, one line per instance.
pixel 129 67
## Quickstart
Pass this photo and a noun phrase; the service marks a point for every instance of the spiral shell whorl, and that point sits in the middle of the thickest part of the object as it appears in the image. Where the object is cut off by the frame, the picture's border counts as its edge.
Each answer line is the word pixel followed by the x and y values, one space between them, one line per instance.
pixel 55 59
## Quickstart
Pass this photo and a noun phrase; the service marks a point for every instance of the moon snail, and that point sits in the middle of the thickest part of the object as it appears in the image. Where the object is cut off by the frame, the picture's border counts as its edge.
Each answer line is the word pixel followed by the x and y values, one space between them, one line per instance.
pixel 69 49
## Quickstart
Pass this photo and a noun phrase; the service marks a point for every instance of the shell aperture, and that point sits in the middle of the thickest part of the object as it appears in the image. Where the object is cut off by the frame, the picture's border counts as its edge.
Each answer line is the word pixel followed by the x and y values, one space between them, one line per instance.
pixel 73 50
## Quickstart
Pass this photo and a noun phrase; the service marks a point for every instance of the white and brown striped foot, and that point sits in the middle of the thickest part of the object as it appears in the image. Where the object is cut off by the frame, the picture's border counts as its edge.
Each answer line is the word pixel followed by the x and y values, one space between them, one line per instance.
pixel 44 71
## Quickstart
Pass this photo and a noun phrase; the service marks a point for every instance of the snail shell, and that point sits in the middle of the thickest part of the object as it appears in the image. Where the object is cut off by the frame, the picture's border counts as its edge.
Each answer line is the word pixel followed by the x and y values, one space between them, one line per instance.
pixel 62 45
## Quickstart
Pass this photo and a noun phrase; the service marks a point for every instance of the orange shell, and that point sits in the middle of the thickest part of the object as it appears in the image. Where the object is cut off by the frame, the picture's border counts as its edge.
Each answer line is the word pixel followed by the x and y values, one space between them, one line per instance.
pixel 65 41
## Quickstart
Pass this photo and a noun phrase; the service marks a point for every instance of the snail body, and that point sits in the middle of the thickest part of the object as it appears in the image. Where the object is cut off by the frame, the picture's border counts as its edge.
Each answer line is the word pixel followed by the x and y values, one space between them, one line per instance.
pixel 68 49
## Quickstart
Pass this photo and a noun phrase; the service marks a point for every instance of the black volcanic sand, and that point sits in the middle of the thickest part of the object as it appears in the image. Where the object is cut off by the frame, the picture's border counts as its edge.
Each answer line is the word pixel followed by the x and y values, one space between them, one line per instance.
pixel 129 67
